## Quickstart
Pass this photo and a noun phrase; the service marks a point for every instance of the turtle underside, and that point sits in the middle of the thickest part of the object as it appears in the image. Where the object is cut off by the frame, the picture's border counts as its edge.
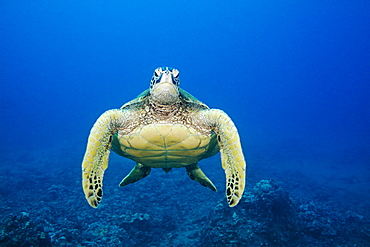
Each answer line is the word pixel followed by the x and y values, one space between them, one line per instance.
pixel 160 138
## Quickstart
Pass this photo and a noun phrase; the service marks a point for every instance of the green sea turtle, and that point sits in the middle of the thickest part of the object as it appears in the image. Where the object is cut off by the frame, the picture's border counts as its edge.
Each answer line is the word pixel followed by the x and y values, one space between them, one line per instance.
pixel 164 127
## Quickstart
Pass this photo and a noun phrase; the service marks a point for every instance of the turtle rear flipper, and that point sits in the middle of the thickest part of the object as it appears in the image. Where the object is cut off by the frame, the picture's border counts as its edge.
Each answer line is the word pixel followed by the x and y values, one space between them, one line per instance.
pixel 196 174
pixel 138 172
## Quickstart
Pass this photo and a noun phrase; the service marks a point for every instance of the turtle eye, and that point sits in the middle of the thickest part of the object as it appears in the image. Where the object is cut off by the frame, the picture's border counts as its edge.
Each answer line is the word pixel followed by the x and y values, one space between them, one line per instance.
pixel 157 72
pixel 175 73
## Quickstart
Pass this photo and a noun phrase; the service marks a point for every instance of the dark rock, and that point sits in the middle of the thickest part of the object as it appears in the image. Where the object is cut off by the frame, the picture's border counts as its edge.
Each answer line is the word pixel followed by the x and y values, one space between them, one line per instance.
pixel 266 216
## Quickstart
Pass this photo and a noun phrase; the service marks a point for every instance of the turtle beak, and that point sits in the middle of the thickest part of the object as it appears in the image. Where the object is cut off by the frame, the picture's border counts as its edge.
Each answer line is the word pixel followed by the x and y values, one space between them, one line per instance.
pixel 165 88
pixel 166 77
pixel 166 83
pixel 165 92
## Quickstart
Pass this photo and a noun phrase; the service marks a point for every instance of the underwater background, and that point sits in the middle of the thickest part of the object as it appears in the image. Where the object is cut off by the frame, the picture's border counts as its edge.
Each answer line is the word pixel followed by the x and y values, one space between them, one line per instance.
pixel 293 75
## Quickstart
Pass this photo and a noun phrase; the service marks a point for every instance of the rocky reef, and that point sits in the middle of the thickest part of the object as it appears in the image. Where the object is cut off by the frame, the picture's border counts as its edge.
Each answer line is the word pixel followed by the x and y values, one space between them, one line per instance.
pixel 43 205
pixel 269 217
pixel 266 216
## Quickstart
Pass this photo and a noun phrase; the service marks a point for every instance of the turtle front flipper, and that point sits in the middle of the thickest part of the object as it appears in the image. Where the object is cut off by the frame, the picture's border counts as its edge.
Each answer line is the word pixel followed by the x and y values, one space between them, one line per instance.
pixel 96 157
pixel 197 174
pixel 232 157
pixel 138 172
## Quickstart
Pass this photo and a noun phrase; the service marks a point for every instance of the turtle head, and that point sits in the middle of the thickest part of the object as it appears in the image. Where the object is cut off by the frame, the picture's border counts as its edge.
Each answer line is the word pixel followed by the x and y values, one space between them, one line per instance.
pixel 164 86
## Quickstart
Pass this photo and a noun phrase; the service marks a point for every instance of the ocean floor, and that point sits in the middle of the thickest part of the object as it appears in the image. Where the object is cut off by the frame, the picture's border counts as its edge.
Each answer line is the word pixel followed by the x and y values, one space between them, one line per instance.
pixel 289 201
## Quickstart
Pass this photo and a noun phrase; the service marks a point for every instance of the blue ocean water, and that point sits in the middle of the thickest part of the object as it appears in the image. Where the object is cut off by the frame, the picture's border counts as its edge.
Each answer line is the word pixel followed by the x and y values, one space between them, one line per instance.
pixel 293 75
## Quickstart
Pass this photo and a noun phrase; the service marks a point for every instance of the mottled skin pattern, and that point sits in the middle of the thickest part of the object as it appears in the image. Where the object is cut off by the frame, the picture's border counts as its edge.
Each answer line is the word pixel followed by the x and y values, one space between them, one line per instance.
pixel 164 127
